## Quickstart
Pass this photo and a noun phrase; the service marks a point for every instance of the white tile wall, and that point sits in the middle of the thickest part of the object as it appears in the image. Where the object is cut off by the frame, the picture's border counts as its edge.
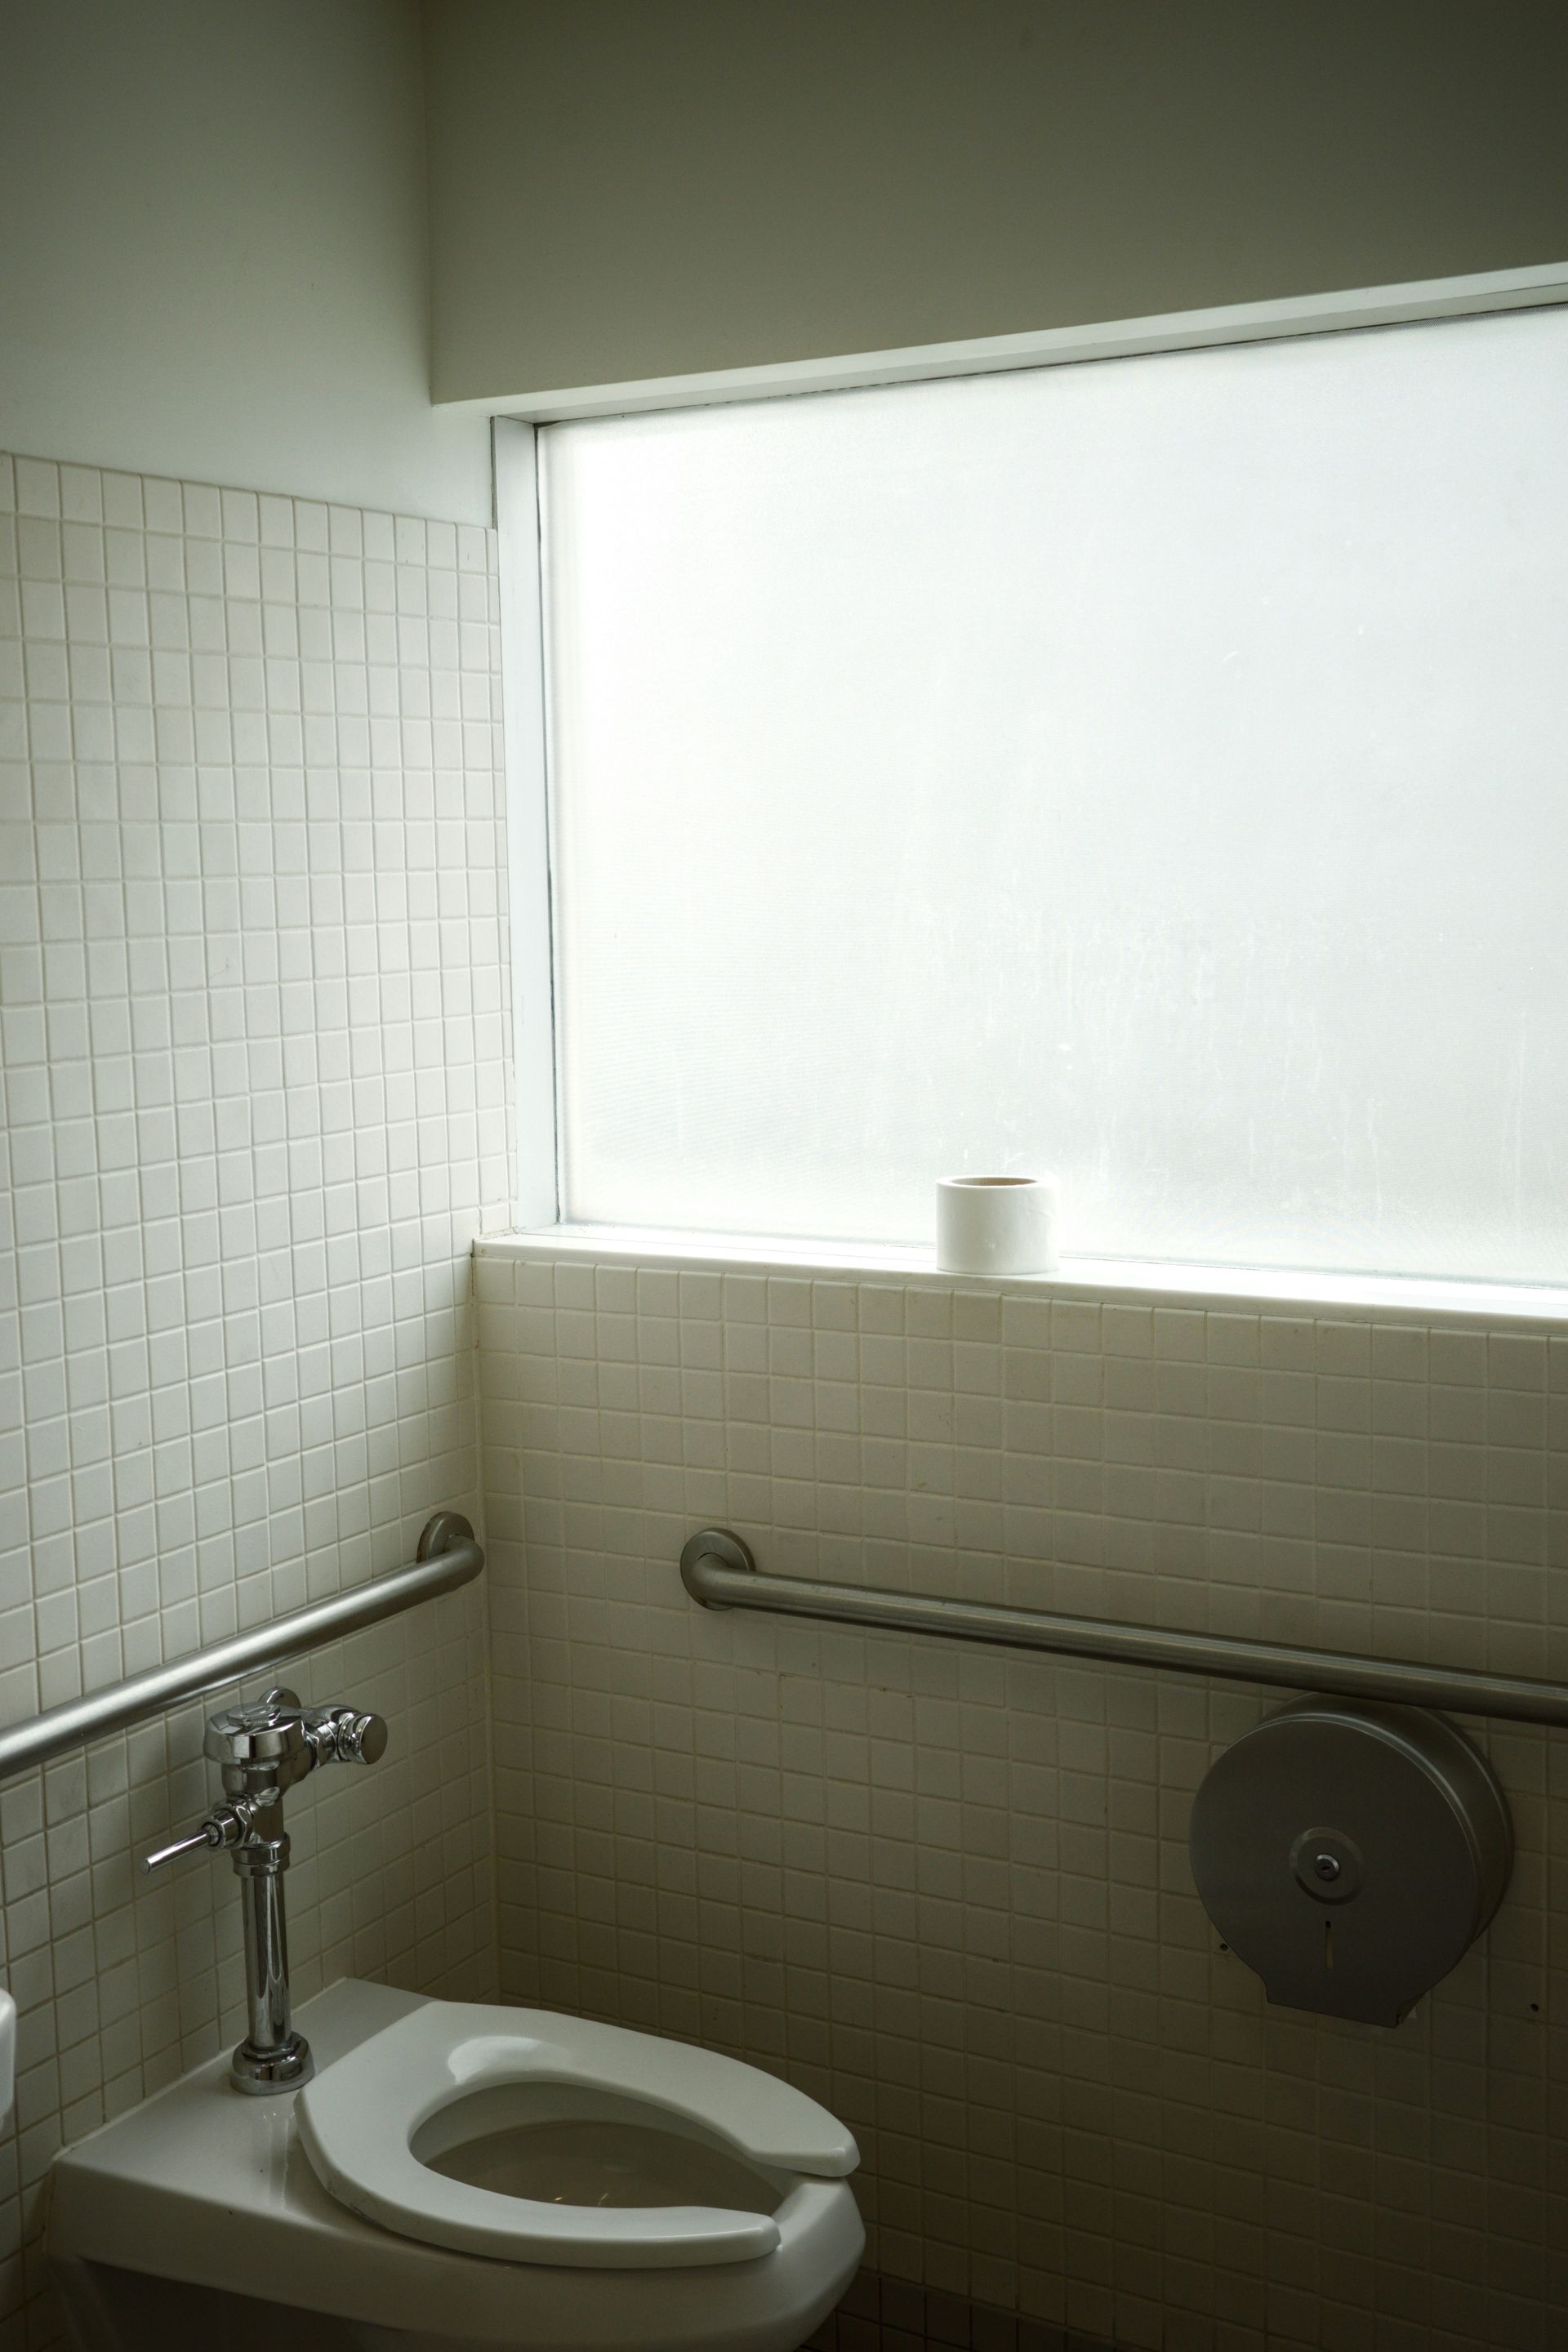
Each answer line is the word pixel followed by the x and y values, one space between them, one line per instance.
pixel 947 1890
pixel 256 1103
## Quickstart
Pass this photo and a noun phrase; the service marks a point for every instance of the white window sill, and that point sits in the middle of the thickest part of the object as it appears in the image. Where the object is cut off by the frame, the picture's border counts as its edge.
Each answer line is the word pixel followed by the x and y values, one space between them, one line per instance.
pixel 1118 1280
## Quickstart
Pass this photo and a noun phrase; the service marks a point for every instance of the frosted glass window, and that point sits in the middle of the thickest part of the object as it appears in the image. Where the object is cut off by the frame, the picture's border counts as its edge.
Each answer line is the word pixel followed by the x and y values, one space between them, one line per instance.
pixel 1151 771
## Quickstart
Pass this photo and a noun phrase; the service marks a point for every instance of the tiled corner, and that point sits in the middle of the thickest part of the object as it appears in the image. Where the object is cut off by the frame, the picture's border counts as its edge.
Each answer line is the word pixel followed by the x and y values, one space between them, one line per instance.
pixel 253 1023
pixel 946 1889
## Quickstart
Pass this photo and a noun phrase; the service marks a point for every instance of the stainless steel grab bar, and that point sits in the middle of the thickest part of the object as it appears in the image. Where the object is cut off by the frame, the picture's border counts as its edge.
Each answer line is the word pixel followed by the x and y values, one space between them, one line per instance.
pixel 718 1569
pixel 448 1557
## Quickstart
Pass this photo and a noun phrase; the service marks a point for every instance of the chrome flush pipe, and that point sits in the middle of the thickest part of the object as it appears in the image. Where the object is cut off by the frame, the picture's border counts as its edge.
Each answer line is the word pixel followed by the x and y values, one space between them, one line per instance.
pixel 263 1751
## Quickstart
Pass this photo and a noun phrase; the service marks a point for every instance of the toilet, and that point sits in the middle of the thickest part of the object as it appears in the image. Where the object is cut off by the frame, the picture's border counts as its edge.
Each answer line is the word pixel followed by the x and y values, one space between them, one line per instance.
pixel 458 2176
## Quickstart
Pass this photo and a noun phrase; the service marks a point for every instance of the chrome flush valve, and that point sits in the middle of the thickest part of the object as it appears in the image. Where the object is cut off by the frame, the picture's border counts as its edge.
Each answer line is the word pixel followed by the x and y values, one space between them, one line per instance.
pixel 262 1750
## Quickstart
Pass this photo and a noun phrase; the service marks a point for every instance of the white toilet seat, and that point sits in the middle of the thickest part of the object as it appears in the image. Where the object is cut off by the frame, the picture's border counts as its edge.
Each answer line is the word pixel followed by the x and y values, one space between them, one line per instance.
pixel 360 2118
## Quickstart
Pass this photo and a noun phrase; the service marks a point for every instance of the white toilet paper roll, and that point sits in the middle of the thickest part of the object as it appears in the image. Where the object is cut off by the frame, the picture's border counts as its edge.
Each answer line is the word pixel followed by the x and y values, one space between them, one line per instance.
pixel 996 1224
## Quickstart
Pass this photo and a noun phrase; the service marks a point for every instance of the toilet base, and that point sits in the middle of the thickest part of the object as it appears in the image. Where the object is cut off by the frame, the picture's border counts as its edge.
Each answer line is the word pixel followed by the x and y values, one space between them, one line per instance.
pixel 112 2310
pixel 107 2309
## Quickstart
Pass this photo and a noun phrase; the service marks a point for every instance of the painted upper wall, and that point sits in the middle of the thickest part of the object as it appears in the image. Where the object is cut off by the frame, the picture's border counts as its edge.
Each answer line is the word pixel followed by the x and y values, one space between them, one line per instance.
pixel 622 191
pixel 214 250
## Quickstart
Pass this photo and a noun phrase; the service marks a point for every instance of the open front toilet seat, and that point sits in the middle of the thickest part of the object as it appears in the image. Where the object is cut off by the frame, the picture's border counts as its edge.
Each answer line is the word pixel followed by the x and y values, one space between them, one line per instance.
pixel 603 2148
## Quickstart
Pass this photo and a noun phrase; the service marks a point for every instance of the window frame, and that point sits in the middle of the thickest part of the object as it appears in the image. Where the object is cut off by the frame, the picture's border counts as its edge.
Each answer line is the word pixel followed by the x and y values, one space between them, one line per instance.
pixel 524 621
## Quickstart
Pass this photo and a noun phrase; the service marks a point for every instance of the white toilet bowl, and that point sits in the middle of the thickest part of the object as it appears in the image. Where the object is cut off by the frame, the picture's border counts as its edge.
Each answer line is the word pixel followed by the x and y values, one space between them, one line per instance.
pixel 462 2176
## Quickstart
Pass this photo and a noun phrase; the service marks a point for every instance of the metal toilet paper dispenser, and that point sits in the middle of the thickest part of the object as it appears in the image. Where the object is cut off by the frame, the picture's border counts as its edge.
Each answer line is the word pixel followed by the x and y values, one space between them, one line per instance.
pixel 1350 1854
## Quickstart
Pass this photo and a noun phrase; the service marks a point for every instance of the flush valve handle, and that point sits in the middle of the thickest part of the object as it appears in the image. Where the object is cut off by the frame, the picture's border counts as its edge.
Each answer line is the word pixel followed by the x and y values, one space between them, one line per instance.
pixel 343 1735
pixel 224 1825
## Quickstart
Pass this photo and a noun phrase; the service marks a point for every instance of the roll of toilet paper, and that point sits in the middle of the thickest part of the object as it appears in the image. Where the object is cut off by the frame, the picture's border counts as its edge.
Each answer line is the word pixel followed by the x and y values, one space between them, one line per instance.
pixel 996 1224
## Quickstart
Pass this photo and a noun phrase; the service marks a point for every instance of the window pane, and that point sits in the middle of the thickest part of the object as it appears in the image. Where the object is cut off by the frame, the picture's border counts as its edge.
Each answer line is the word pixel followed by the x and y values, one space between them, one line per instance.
pixel 1151 771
